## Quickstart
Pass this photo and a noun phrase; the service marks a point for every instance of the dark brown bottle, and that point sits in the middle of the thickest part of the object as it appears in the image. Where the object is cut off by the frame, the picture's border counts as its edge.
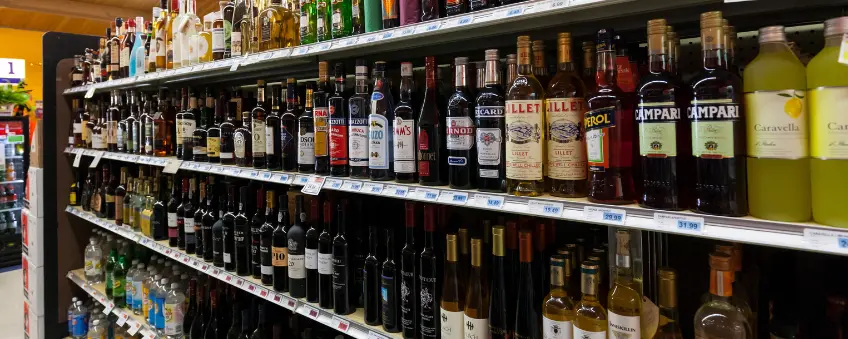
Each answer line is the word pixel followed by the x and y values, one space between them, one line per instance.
pixel 257 127
pixel 429 134
pixel 242 142
pixel 288 128
pixel 404 131
pixel 273 151
pixel 462 155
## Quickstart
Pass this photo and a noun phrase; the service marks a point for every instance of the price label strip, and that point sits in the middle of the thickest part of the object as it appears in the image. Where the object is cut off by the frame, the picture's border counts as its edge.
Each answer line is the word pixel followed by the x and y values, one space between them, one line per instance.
pixel 427 194
pixel 683 223
pixel 352 186
pixel 301 180
pixel 334 184
pixel 605 215
pixel 827 239
pixel 453 198
pixel 172 166
pixel 545 208
pixel 373 188
pixel 313 185
pixel 489 201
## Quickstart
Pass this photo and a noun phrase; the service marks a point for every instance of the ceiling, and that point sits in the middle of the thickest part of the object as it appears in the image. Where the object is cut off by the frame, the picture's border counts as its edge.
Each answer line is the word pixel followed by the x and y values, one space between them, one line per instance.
pixel 90 17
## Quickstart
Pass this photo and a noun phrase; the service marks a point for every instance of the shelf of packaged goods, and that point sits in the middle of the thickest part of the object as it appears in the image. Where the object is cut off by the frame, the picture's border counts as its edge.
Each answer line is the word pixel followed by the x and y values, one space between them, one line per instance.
pixel 135 324
pixel 806 236
pixel 351 324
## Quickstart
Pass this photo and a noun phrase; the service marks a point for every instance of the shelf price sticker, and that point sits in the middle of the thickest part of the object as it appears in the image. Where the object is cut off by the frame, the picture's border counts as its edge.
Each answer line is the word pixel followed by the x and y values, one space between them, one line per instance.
pixel 375 335
pixel 407 31
pixel 267 176
pixel 172 166
pixel 97 156
pixel 301 179
pixel 396 191
pixel 122 319
pixel 285 178
pixel 313 185
pixel 605 215
pixel 352 186
pixel 558 4
pixel 453 198
pixel 290 304
pixel 334 183
pixel 683 223
pixel 488 201
pixel 77 159
pixel 108 308
pixel 511 12
pixel 340 324
pixel 827 239
pixel 263 293
pixel 311 312
pixel 373 188
pixel 429 27
pixel 545 208
pixel 90 93
pixel 300 50
pixel 428 194
pixel 351 41
pixel 134 327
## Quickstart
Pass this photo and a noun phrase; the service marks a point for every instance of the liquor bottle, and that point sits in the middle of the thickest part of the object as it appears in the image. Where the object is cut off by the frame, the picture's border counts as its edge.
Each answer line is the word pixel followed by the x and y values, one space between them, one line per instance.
pixel 456 7
pixel 341 18
pixel 824 79
pixel 718 317
pixel 341 265
pixel 323 21
pixel 115 50
pixel 390 13
pixel 188 241
pixel 525 118
pixel 558 308
pixel 430 10
pixel 357 17
pixel 273 151
pixel 308 22
pixel 306 134
pixel 260 332
pixel 215 242
pixel 625 300
pixel 120 194
pixel 241 235
pixel 134 126
pixel 390 289
pixel 255 224
pixel 489 120
pixel 297 250
pixel 213 128
pixel 112 117
pixel 668 305
pixel 460 131
pixel 716 117
pixel 321 116
pixel 160 128
pixel 311 262
pixel 381 126
pixel 429 268
pixel 325 261
pixel 109 193
pixel 359 107
pixel 409 276
pixel 373 306
pixel 429 133
pixel 609 132
pixel 227 127
pixel 242 141
pixel 126 47
pixel 476 317
pixel 587 73
pixel 288 126
pixel 540 68
pixel 195 330
pixel 228 229
pixel 774 151
pixel 276 27
pixel 200 152
pixel 257 116
pixel 238 13
pixel 208 221
pixel 211 329
pixel 373 15
pixel 265 240
pixel 180 129
pixel 280 249
pixel 338 119
pixel 499 320
pixel 404 146
pixel 201 200
pixel 565 107
pixel 590 320
pixel 236 325
pixel 527 320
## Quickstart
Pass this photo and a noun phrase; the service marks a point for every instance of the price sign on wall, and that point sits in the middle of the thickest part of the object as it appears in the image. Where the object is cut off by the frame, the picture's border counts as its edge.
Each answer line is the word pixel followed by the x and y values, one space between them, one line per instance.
pixel 12 70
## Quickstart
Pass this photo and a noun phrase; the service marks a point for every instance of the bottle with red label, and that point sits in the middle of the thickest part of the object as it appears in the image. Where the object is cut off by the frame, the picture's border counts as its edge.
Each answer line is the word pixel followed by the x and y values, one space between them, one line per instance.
pixel 609 132
pixel 429 131
pixel 404 129
pixel 321 115
pixel 460 136
pixel 338 125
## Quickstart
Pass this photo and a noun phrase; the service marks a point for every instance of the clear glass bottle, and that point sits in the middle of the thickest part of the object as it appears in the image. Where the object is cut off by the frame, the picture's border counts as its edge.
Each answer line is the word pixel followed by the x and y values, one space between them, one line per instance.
pixel 717 317
pixel 590 321
pixel 669 326
pixel 625 298
pixel 558 308
pixel 275 27
pixel 525 121
pixel 93 262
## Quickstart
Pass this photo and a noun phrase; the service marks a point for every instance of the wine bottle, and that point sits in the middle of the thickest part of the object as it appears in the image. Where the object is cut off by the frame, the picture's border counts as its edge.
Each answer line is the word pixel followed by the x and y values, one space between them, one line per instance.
pixel 235 325
pixel 211 328
pixel 321 115
pixel 311 262
pixel 668 305
pixel 174 209
pixel 390 289
pixel 280 249
pixel 428 292
pixel 429 133
pixel 240 232
pixel 266 267
pixel 381 127
pixel 341 271
pixel 451 303
pixel 192 307
pixel 511 258
pixel 408 272
pixel 338 134
pixel 209 218
pixel 258 116
pixel 189 240
pixel 196 330
pixel 359 106
pixel 624 301
pixel 229 230
pixel 200 202
pixel 218 234
pixel 260 332
pixel 255 224
pixel 372 280
pixel 498 316
pixel 297 251
pixel 558 308
pixel 526 313
pixel 273 150
pixel 590 319
pixel 476 318
pixel 306 135
pixel 325 261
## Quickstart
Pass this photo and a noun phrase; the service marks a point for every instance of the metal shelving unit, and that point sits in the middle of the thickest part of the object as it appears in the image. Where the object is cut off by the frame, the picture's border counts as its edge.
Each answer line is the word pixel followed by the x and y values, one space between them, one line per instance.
pixel 135 323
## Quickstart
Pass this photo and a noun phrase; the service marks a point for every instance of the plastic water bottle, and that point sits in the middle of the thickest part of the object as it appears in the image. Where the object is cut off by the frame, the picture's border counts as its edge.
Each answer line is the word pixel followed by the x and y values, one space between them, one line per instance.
pixel 174 303
pixel 130 287
pixel 161 294
pixel 71 309
pixel 93 262
pixel 138 289
pixel 152 290
pixel 80 323
pixel 97 331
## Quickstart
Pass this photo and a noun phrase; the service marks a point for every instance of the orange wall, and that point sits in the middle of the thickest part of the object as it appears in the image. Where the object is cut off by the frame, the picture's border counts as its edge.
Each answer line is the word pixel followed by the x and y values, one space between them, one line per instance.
pixel 27 46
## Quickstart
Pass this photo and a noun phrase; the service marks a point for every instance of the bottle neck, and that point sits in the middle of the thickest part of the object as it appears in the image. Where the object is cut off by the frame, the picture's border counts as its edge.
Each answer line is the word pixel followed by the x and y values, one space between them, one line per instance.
pixel 493 74
pixel 606 72
pixel 390 247
pixel 406 89
pixel 721 283
pixel 260 95
pixel 524 65
pixel 361 85
pixel 658 63
pixel 372 241
pixel 460 78
pixel 340 84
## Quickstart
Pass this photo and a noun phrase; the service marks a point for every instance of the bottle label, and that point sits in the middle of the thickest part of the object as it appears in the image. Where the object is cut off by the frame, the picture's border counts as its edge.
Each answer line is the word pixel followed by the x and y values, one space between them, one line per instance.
pixel 311 259
pixel 325 263
pixel 657 129
pixel 524 139
pixel 390 9
pixel 428 305
pixel 218 40
pixel 460 133
pixel 114 55
pixel 712 128
pixel 404 145
pixel 581 334
pixel 235 38
pixel 188 127
pixel 338 23
pixel 489 140
pixel 296 266
pixel 213 147
pixel 173 318
pixel 451 323
pixel 339 272
pixel 137 294
pixel 125 57
pixel 552 329
pixel 621 326
pixel 598 122
pixel 387 300
pixel 279 256
pixel 266 270
pixel 566 148
pixel 239 145
pixel 358 141
pixel 265 29
pixel 321 114
pixel 77 128
pixel 777 124
pixel 828 122
pixel 93 267
pixel 188 225
pixel 305 146
pixel 338 139
pixel 407 301
pixel 269 140
pixel 378 141
pixel 258 132
pixel 625 74
pixel 477 328
pixel 321 8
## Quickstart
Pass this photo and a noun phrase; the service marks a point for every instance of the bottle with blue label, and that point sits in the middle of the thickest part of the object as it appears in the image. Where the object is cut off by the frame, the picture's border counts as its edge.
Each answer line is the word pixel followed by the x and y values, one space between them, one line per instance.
pixel 380 127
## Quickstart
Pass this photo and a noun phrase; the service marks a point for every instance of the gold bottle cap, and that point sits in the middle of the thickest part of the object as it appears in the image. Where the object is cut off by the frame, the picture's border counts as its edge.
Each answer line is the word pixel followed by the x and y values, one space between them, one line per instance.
pixel 511 58
pixel 291 81
pixel 259 83
pixel 463 241
pixel 451 247
pixel 711 19
pixel 589 274
pixel 492 55
pixel 836 26
pixel 498 241
pixel 668 287
pixel 588 46
pixel 538 45
pixel 720 261
pixel 558 265
pixel 724 247
pixel 564 47
pixel 562 250
pixel 323 74
pixel 476 252
pixel 657 26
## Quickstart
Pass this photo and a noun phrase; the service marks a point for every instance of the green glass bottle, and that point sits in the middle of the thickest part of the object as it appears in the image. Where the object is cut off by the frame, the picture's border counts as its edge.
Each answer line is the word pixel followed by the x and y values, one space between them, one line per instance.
pixel 119 280
pixel 373 15
pixel 341 18
pixel 308 24
pixel 111 261
pixel 323 21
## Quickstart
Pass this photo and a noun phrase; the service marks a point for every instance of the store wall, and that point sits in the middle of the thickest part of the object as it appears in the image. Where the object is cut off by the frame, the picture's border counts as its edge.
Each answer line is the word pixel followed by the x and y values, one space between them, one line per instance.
pixel 26 45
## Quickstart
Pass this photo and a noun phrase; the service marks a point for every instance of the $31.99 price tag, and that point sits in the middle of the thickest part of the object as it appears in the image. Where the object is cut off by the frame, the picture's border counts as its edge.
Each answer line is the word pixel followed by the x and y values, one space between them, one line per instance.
pixel 683 223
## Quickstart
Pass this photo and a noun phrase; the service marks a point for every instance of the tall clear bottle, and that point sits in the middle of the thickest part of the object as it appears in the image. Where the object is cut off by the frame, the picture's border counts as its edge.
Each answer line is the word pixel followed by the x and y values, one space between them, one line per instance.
pixel 625 298
pixel 718 317
pixel 452 303
pixel 558 308
pixel 590 321
pixel 525 128
pixel 174 312
pixel 93 262
pixel 476 317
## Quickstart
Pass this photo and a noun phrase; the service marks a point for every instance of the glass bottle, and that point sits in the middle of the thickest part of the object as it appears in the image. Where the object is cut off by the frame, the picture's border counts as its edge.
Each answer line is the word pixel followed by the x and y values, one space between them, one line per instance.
pixel 390 288
pixel 321 116
pixel 258 127
pixel 342 18
pixel 430 10
pixel 404 132
pixel 341 268
pixel 540 68
pixel 499 320
pixel 489 119
pixel 308 21
pixel 590 321
pixel 297 251
pixel 717 317
pixel 228 225
pixel 160 130
pixel 609 132
pixel 265 239
pixel 323 20
pixel 276 27
pixel 625 300
pixel 325 260
pixel 200 147
pixel 430 131
pixel 338 128
pixel 669 328
pixel 460 131
pixel 279 247
pixel 372 15
pixel 390 13
pixel 242 142
pixel 241 233
pixel 525 121
pixel 558 308
pixel 373 286
pixel 359 106
pixel 381 126
pixel 476 316
pixel 256 235
pixel 306 134
pixel 527 320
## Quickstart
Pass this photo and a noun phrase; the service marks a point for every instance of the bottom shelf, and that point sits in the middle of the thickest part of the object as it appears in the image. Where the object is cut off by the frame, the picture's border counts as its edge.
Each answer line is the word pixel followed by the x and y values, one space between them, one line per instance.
pixel 134 323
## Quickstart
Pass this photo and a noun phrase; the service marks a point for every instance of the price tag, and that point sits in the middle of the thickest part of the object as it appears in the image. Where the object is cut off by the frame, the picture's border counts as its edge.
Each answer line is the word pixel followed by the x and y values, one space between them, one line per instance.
pixel 108 307
pixel 172 166
pixel 427 194
pixel 432 27
pixel 323 47
pixel 277 299
pixel 134 327
pixel 122 319
pixel 351 41
pixel 334 183
pixel 399 191
pixel 453 197
pixel 150 335
pixel 340 324
pixel 683 223
pixel 312 312
pixel 77 159
pixel 488 201
pixel 267 176
pixel 313 186
pixel 285 178
pixel 251 175
pixel 545 208
pixel 301 179
pixel 97 157
pixel 513 11
pixel 827 239
pixel 372 38
pixel 373 188
pixel 465 20
pixel 388 35
pixel 291 304
pixel 90 93
pixel 234 171
pixel 352 186
pixel 558 3
pixel 240 282
pixel 375 335
pixel 251 288
pixel 605 215
pixel 206 168
pixel 407 31
pixel 300 50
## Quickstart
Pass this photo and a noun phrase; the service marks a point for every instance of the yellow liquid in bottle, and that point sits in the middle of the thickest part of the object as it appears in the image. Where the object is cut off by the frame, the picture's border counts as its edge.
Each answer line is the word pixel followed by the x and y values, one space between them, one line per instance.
pixel 827 83
pixel 778 135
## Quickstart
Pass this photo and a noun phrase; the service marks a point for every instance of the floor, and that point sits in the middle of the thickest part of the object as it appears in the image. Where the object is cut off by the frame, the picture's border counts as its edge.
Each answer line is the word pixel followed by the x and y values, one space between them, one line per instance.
pixel 11 316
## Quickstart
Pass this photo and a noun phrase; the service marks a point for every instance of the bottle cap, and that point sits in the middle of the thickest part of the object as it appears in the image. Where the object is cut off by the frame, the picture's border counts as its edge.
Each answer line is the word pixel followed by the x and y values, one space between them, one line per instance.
pixel 836 26
pixel 605 40
pixel 511 58
pixel 406 69
pixel 492 55
pixel 772 34
pixel 711 19
pixel 720 261
pixel 668 287
pixel 175 285
pixel 461 61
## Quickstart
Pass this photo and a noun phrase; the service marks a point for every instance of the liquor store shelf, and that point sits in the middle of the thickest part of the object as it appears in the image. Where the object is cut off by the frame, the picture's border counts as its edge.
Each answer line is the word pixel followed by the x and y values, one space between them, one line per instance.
pixel 135 323
pixel 806 236
pixel 443 29
pixel 351 324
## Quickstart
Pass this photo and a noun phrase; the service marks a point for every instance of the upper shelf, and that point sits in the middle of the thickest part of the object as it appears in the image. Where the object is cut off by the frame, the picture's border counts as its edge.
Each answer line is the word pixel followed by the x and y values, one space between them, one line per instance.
pixel 806 236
